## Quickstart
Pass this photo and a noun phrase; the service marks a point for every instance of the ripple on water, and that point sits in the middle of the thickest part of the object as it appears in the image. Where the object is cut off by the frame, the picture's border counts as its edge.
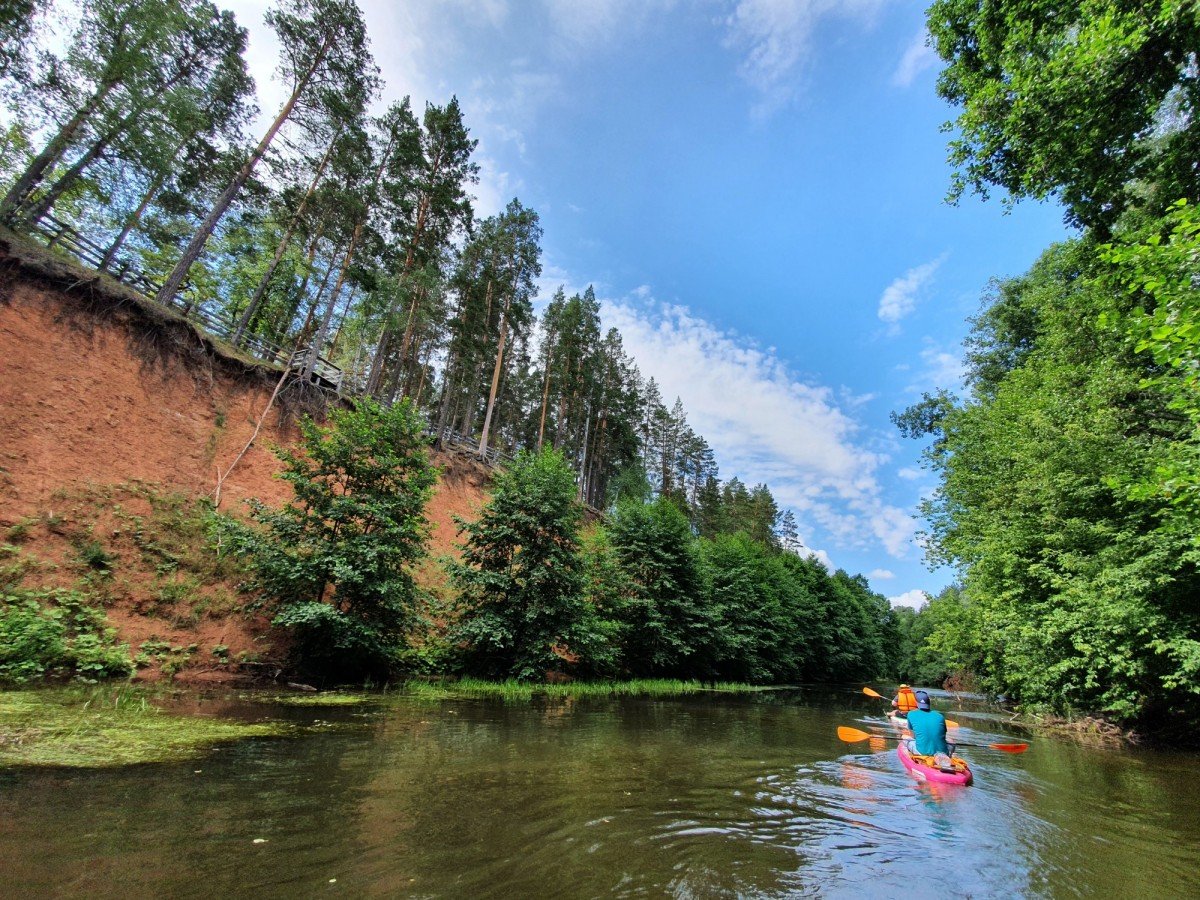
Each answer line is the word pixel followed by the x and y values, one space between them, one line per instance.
pixel 848 821
pixel 688 800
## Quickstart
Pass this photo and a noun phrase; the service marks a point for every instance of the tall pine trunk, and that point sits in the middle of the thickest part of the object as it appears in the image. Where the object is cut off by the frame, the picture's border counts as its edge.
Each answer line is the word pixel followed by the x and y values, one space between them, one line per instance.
pixel 134 220
pixel 175 280
pixel 36 211
pixel 52 152
pixel 261 289
pixel 545 402
pixel 487 419
pixel 323 331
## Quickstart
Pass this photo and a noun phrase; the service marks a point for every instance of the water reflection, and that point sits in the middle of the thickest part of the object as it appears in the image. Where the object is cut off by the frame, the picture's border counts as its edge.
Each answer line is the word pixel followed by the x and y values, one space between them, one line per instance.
pixel 697 797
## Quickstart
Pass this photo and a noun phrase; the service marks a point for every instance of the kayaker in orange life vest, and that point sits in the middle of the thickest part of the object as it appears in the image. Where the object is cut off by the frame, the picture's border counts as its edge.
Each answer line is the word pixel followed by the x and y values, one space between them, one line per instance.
pixel 904 702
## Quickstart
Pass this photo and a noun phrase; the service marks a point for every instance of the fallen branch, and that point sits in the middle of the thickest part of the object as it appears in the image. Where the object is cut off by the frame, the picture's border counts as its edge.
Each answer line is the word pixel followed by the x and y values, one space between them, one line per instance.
pixel 253 437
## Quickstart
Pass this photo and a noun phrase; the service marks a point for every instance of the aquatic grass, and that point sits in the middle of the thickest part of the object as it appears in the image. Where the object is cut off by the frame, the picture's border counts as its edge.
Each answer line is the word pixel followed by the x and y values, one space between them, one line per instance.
pixel 103 728
pixel 525 690
pixel 331 698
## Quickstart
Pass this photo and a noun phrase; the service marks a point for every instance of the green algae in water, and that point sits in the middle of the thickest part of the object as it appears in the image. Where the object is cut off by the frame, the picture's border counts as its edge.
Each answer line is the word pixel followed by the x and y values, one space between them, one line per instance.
pixel 526 690
pixel 104 728
pixel 322 699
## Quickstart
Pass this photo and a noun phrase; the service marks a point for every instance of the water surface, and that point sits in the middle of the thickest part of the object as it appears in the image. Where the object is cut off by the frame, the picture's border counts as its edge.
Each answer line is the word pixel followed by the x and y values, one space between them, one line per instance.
pixel 702 796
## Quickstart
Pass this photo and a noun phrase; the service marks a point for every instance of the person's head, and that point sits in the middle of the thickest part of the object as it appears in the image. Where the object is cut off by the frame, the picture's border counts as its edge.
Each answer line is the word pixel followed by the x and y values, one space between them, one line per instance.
pixel 904 687
pixel 922 700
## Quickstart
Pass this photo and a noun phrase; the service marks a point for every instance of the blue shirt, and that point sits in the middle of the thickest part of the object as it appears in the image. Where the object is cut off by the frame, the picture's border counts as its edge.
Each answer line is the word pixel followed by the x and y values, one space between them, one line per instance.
pixel 929 730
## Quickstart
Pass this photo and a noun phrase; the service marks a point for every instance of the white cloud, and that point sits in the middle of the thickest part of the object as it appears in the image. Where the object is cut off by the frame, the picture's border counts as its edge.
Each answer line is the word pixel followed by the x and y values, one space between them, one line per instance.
pixel 765 424
pixel 908 473
pixel 918 57
pixel 900 297
pixel 940 369
pixel 776 37
pixel 881 575
pixel 584 24
pixel 806 552
pixel 914 598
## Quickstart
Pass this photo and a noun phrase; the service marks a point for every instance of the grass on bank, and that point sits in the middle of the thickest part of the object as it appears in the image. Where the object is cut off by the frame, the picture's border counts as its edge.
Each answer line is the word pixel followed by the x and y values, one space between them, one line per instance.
pixel 107 726
pixel 525 690
pixel 324 698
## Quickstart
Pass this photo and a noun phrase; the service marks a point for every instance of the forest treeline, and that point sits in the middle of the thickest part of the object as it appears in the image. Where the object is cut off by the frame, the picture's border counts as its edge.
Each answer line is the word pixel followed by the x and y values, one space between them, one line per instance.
pixel 354 233
pixel 1069 496
pixel 644 594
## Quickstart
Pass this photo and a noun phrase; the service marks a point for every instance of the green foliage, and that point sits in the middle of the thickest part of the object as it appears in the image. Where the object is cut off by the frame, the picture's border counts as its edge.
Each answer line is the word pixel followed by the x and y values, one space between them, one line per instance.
pixel 1093 102
pixel 732 607
pixel 762 617
pixel 1158 270
pixel 521 576
pixel 664 622
pixel 1075 596
pixel 854 627
pixel 940 640
pixel 56 633
pixel 338 557
pixel 93 555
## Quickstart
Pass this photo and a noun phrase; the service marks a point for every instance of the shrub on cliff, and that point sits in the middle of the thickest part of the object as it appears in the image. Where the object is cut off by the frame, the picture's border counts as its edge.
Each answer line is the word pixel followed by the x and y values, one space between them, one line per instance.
pixel 56 633
pixel 339 556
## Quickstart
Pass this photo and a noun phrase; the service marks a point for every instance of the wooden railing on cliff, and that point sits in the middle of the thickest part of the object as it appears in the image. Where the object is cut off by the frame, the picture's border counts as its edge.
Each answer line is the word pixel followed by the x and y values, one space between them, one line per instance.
pixel 59 235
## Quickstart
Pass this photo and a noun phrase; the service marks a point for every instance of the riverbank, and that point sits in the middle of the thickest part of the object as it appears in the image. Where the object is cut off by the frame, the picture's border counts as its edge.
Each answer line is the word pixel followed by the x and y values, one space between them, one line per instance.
pixel 526 690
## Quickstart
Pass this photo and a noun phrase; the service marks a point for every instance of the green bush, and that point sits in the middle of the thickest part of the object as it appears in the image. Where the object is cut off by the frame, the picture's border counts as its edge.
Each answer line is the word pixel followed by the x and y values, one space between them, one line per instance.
pixel 338 558
pixel 56 633
pixel 521 577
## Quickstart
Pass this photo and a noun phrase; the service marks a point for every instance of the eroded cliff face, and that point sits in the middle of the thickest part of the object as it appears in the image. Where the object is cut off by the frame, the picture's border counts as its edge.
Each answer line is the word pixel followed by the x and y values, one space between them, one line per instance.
pixel 87 399
pixel 109 405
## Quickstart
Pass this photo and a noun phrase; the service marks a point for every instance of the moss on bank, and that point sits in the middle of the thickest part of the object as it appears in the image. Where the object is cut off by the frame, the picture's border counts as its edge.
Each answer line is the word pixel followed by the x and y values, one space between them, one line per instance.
pixel 525 690
pixel 107 727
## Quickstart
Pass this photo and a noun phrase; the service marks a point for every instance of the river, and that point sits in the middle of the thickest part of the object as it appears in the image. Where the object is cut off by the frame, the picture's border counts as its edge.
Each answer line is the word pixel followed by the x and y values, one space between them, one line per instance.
pixel 700 796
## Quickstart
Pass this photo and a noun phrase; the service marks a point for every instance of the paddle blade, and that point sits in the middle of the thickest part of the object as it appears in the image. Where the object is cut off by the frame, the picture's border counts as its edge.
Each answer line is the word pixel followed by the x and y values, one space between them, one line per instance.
pixel 875 694
pixel 1010 748
pixel 851 735
pixel 950 724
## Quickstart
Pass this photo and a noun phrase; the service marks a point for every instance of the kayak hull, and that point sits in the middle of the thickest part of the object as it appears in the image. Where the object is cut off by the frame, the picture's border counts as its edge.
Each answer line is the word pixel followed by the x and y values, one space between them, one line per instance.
pixel 923 772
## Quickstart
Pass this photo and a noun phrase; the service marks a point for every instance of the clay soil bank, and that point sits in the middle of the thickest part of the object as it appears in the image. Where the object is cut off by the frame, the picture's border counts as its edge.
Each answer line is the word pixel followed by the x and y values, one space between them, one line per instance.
pixel 100 391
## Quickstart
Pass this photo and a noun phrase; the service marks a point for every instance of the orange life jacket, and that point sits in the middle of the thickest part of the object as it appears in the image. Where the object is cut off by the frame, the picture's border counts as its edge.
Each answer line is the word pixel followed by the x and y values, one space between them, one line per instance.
pixel 906 700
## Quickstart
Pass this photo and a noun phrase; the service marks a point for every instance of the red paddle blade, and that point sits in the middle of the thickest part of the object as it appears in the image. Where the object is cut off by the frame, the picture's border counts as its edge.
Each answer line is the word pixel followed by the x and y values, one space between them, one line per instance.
pixel 1010 748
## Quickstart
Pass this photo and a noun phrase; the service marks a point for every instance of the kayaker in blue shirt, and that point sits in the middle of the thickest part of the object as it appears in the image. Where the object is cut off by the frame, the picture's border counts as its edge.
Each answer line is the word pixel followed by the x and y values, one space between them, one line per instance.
pixel 929 729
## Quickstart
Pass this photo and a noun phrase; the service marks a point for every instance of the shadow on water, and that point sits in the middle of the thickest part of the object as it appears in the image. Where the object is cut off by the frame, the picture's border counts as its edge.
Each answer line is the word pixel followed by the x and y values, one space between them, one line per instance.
pixel 707 796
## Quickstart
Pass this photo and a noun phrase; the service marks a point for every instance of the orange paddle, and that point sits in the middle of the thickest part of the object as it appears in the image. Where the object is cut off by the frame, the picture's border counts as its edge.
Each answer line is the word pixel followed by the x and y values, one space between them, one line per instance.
pixel 853 735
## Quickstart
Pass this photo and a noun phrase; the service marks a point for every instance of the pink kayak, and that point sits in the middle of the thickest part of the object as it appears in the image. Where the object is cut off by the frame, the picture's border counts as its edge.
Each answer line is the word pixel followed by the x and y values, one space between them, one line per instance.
pixel 960 775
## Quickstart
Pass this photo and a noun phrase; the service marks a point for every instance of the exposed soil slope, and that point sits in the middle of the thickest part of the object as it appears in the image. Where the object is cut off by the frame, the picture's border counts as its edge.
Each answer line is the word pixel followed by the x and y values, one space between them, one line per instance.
pixel 109 406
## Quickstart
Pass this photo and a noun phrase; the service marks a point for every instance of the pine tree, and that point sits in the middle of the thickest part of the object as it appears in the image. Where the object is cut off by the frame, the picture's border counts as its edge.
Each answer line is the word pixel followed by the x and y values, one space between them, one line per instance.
pixel 521 576
pixel 325 59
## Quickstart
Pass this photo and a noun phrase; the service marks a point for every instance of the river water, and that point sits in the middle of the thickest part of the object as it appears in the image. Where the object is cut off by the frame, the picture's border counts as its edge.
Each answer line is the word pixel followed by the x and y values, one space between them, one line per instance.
pixel 702 796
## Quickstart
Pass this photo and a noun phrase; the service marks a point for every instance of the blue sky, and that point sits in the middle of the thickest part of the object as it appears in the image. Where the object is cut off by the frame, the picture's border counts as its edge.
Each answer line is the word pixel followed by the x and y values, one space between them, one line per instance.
pixel 755 188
